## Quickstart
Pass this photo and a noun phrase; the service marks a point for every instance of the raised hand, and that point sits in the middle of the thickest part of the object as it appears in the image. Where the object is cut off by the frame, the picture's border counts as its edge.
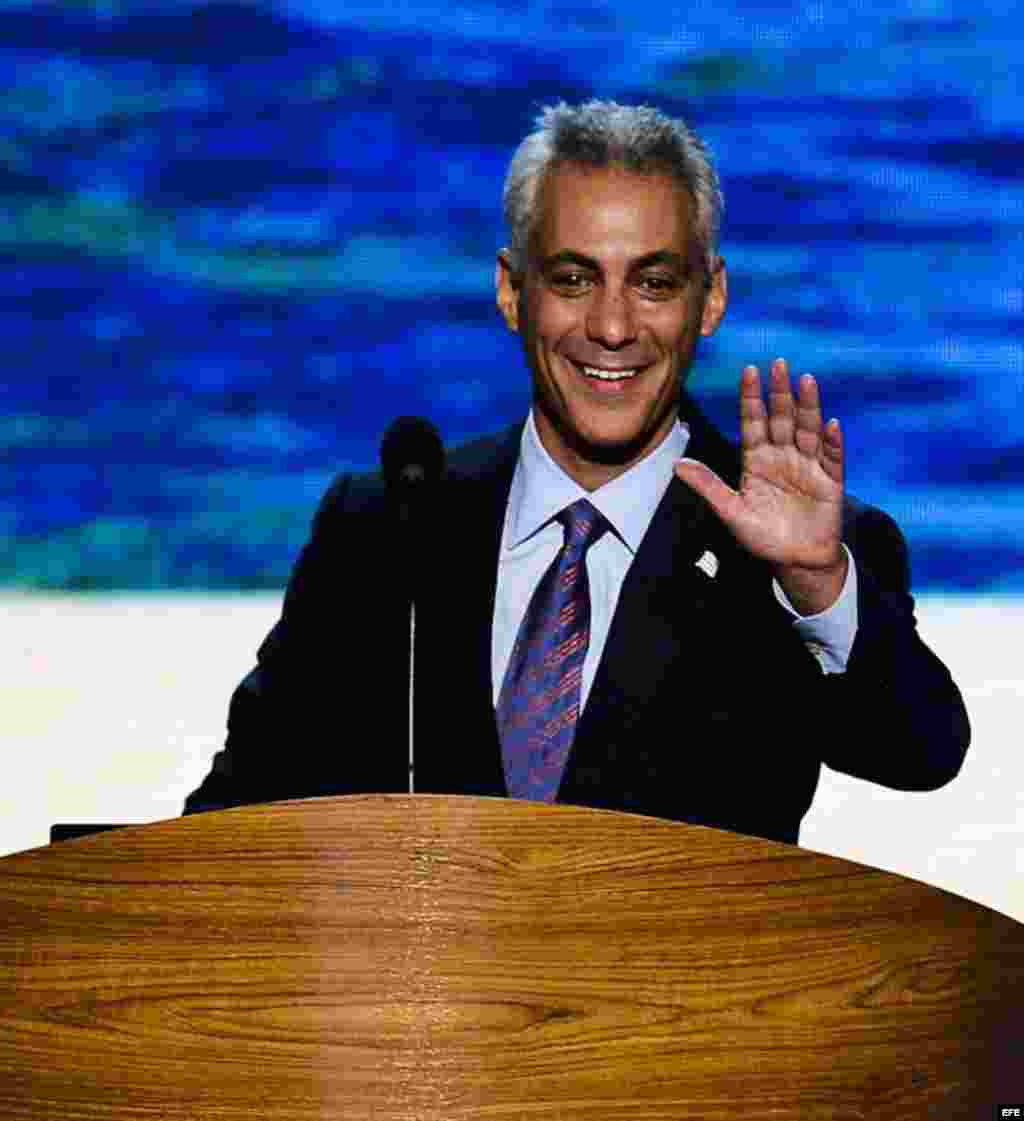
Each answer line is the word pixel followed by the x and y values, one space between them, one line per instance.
pixel 788 510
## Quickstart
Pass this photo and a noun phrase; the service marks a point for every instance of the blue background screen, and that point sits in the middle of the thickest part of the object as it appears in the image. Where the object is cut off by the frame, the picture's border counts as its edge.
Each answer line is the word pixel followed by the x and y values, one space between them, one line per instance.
pixel 239 238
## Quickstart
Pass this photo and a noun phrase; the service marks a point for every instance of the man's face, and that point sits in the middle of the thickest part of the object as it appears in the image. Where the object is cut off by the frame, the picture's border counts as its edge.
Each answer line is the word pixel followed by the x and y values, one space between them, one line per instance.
pixel 613 285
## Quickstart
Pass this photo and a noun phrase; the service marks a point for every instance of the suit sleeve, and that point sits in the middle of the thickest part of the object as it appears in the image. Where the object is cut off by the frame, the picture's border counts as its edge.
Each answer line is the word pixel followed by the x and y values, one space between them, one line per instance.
pixel 895 716
pixel 247 770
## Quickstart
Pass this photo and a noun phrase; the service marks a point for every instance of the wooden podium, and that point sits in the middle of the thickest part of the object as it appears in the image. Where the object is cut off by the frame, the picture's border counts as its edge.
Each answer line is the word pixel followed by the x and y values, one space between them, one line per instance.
pixel 443 959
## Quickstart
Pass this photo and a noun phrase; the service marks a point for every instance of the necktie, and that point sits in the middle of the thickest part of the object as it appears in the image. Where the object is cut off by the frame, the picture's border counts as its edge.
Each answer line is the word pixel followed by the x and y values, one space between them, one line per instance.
pixel 539 702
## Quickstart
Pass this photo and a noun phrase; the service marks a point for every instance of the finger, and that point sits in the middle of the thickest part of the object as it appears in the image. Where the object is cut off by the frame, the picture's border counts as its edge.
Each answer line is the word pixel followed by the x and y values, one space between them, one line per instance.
pixel 782 410
pixel 753 416
pixel 833 451
pixel 808 417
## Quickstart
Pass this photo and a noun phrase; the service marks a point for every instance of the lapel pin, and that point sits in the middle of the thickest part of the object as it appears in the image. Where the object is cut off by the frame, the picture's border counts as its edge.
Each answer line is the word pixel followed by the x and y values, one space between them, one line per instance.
pixel 707 562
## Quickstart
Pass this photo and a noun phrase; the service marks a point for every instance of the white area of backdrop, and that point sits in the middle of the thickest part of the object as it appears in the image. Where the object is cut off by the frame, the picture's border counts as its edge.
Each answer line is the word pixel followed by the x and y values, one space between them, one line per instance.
pixel 111 708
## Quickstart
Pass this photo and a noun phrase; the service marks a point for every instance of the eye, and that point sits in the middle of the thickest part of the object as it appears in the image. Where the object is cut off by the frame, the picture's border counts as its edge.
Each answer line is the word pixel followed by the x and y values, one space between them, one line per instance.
pixel 571 281
pixel 657 284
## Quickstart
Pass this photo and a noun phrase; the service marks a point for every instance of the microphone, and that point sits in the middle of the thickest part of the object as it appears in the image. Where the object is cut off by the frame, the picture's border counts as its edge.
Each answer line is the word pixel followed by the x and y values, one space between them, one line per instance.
pixel 412 458
pixel 412 461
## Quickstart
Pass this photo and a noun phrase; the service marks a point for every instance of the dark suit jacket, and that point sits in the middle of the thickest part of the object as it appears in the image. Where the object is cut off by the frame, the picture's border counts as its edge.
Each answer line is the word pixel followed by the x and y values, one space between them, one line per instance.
pixel 706 707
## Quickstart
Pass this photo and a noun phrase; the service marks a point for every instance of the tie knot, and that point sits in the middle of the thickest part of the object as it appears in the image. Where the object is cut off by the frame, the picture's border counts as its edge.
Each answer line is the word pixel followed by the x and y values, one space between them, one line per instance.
pixel 584 524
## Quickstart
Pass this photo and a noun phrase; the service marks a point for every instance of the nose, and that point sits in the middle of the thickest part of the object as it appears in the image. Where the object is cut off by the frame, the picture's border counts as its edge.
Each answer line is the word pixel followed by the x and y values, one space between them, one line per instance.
pixel 610 321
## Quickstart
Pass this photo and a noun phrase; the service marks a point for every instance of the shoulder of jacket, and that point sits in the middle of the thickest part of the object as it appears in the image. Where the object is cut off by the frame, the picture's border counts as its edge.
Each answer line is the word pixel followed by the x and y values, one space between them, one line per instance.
pixel 861 517
pixel 359 492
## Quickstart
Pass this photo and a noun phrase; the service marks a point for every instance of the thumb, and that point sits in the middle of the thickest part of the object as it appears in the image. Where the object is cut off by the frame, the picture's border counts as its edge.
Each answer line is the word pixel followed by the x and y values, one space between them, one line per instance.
pixel 719 496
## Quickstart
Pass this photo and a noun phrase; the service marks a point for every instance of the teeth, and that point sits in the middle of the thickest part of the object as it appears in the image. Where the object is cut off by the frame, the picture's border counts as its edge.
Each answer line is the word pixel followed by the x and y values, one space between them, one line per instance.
pixel 608 375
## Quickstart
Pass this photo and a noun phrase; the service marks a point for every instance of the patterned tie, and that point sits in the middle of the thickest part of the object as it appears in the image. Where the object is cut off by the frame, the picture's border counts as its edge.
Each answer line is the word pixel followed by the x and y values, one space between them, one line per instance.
pixel 539 702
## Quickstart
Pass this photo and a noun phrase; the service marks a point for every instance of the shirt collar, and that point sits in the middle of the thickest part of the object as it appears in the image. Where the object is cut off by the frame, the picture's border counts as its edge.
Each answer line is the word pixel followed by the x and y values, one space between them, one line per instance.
pixel 540 488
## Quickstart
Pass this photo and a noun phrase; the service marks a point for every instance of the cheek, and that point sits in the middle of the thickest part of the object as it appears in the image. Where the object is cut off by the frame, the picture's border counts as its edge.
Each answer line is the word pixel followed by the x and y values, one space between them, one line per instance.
pixel 684 336
pixel 551 320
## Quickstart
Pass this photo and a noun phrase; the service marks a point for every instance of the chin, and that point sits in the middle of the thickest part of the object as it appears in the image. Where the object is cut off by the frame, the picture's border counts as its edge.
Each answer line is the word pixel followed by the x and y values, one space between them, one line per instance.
pixel 612 449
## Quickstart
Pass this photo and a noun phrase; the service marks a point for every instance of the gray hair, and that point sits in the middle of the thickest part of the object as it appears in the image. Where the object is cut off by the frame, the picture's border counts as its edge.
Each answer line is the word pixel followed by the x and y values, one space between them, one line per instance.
pixel 602 134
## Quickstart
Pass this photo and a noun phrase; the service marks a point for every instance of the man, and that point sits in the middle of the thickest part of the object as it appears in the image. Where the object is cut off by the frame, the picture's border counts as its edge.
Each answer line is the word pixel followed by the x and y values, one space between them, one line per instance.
pixel 614 608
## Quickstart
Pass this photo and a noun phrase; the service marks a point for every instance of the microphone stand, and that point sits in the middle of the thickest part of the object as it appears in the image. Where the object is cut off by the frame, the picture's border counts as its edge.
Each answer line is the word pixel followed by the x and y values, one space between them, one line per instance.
pixel 412 680
pixel 405 518
pixel 412 461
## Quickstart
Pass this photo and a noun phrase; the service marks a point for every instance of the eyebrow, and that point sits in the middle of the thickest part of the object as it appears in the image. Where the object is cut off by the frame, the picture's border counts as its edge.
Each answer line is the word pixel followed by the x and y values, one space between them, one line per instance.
pixel 661 257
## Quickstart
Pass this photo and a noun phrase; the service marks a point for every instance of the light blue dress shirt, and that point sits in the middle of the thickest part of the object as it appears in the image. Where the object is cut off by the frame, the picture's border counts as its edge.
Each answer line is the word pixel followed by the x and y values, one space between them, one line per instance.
pixel 531 540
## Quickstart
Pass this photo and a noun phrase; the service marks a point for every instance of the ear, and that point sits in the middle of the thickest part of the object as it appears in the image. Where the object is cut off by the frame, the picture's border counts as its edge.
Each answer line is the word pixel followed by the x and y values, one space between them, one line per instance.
pixel 716 300
pixel 507 282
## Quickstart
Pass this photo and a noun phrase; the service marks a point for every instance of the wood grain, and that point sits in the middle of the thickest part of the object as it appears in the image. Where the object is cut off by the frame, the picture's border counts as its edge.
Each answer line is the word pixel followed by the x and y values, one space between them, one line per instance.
pixel 452 958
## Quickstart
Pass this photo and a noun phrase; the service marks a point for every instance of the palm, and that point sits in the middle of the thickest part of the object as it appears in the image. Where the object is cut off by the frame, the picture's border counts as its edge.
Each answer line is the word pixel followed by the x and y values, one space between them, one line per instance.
pixel 788 510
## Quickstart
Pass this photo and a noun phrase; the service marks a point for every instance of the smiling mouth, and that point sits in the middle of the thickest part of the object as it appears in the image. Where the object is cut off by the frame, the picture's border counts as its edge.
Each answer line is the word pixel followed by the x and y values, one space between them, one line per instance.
pixel 598 373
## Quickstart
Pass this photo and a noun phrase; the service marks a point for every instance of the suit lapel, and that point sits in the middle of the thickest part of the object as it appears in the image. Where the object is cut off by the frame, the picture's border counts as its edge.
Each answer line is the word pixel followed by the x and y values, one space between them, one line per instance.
pixel 666 603
pixel 457 706
pixel 669 606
